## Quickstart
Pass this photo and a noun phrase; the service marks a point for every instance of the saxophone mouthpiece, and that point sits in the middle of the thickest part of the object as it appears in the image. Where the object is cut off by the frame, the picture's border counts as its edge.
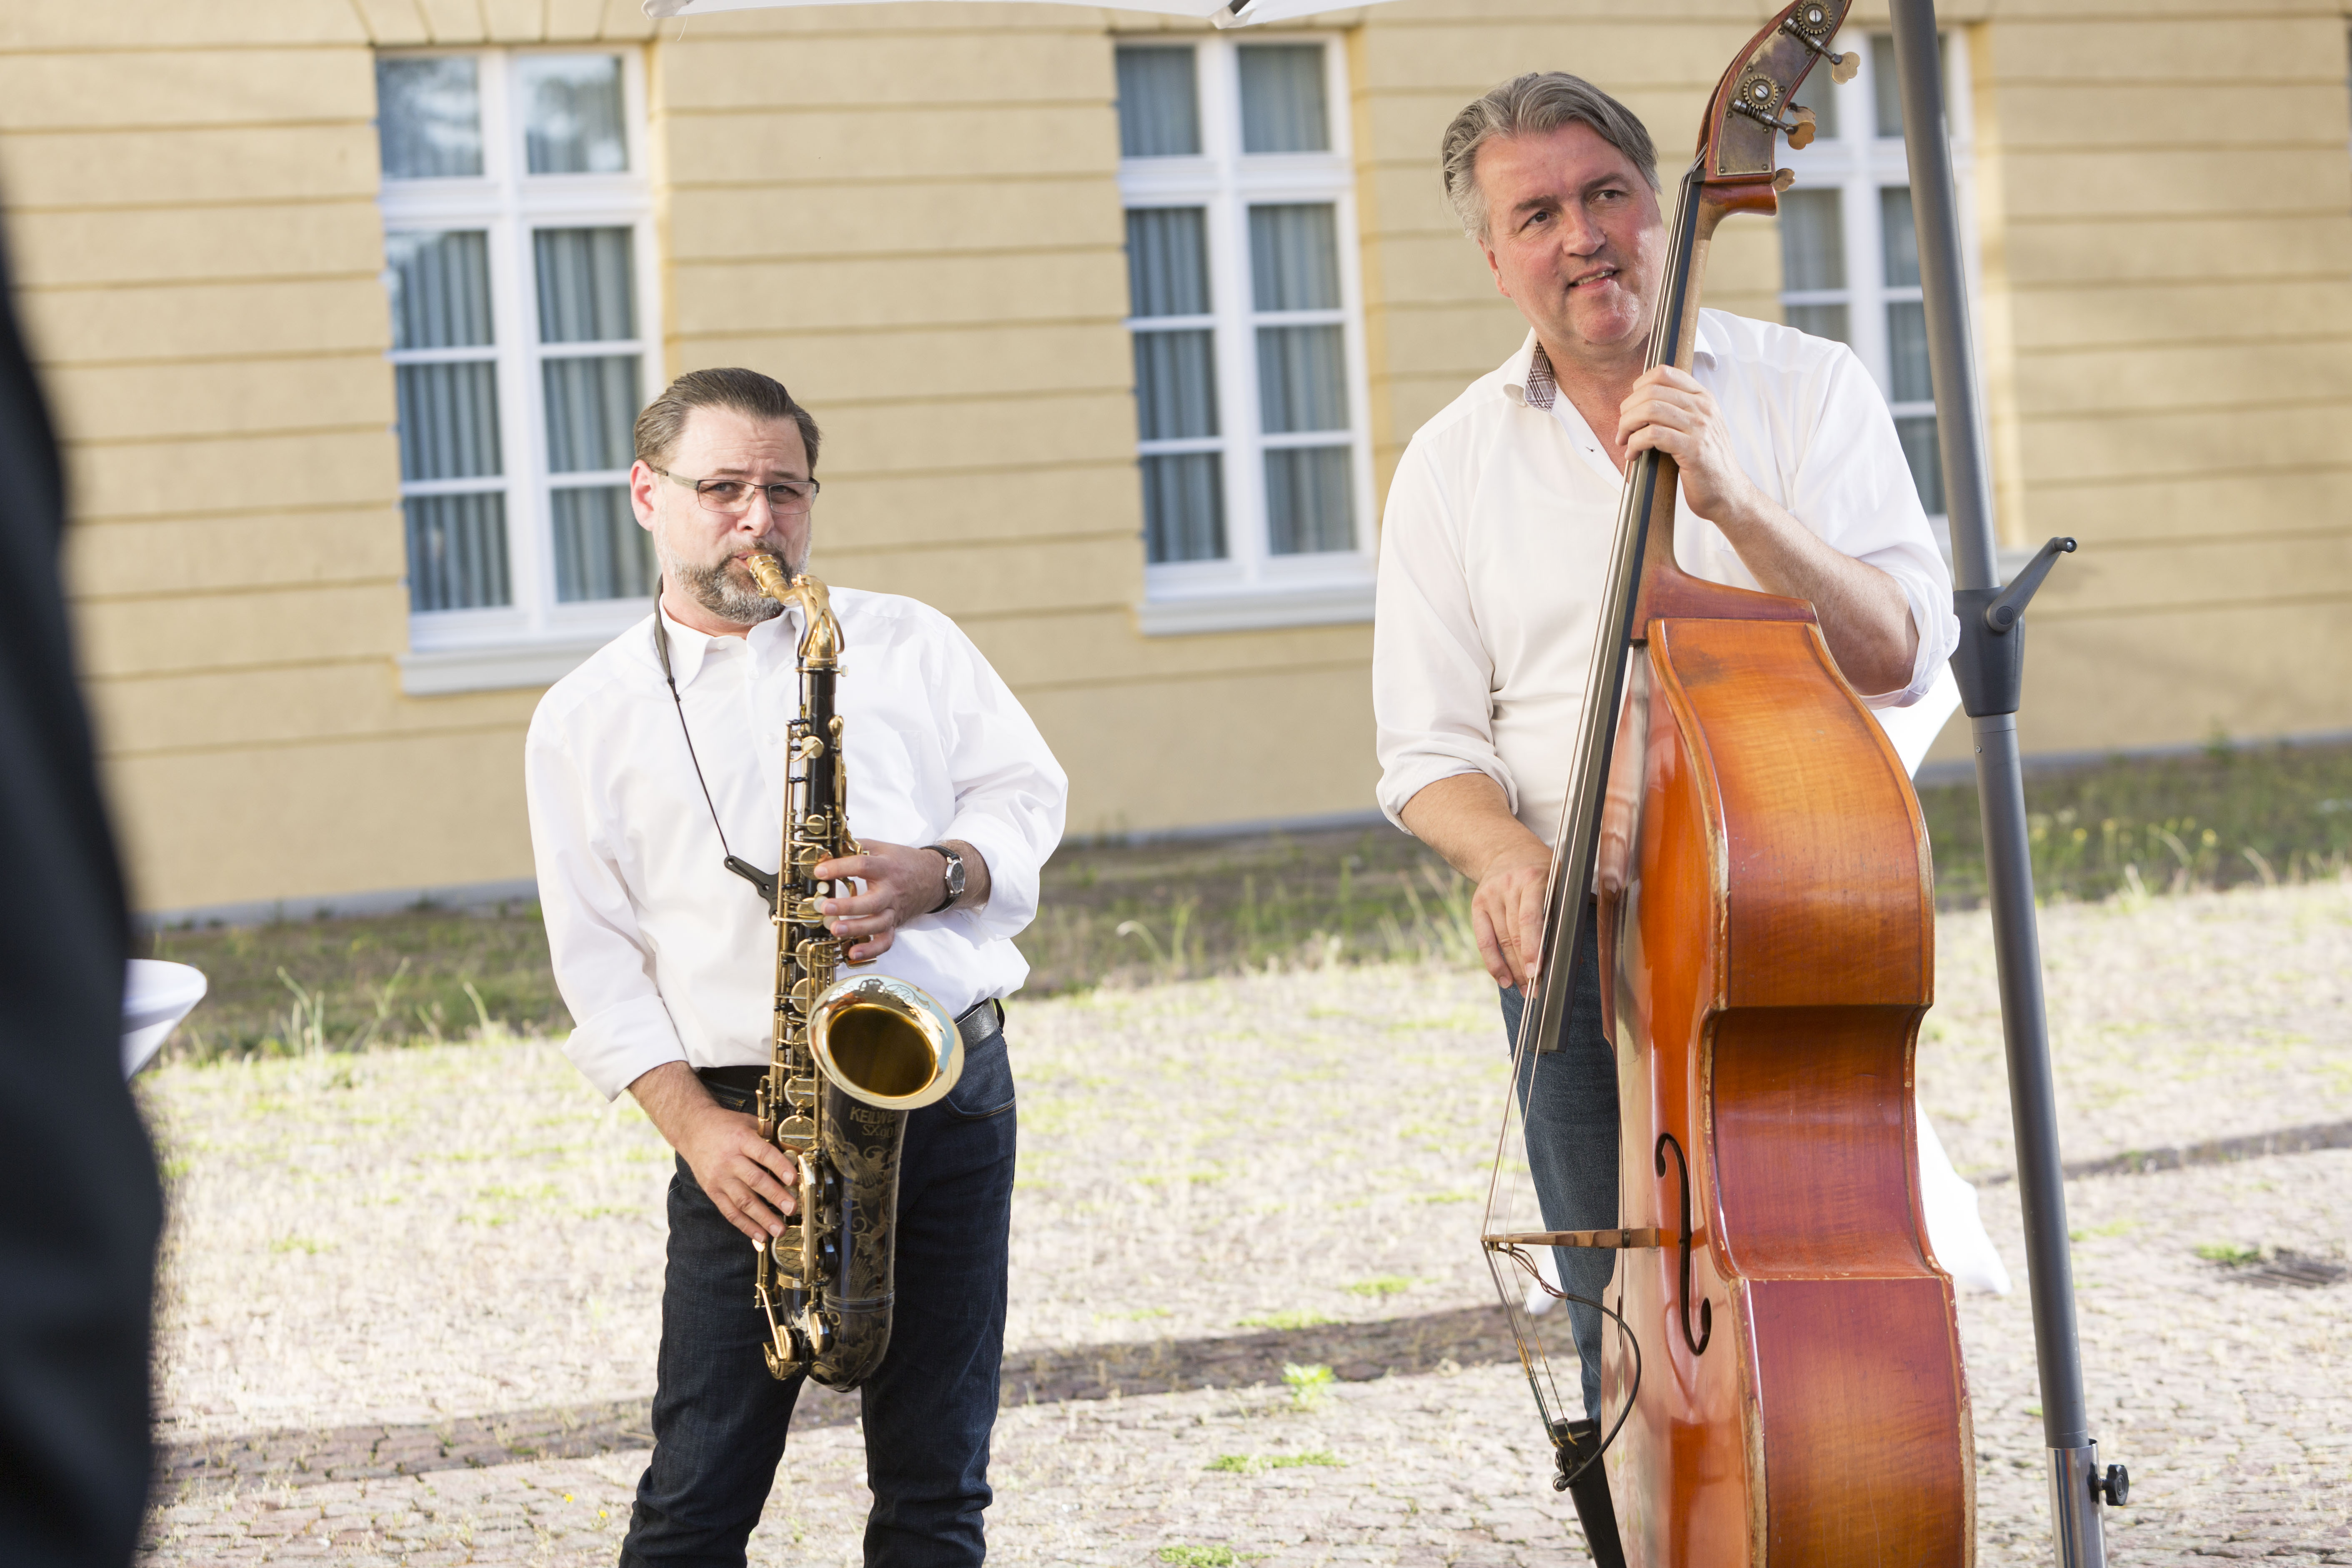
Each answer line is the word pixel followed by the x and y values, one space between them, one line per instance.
pixel 769 573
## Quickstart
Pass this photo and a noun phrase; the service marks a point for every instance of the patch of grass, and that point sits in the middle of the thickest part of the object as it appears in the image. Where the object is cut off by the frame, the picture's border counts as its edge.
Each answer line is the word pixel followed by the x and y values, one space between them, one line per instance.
pixel 1197 907
pixel 1112 912
pixel 1251 1464
pixel 1308 1385
pixel 308 986
pixel 2113 1228
pixel 1206 1556
pixel 1383 1287
pixel 2228 1254
pixel 2222 818
pixel 310 1246
pixel 1296 1318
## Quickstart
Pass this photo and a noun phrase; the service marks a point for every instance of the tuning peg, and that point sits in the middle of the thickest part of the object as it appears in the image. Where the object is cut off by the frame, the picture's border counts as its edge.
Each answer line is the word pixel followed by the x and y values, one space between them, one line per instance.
pixel 1801 134
pixel 1783 181
pixel 1843 67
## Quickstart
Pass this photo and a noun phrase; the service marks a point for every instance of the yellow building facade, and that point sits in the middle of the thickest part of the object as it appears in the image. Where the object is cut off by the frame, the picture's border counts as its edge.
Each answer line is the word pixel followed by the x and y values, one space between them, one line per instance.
pixel 919 217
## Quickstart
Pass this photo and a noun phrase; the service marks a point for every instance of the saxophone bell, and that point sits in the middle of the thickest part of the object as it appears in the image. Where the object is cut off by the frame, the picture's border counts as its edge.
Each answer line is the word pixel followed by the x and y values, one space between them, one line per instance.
pixel 885 1042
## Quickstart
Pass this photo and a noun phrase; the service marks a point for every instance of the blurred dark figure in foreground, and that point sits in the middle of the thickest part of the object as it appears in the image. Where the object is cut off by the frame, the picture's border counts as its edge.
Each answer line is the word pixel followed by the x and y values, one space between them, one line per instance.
pixel 79 1208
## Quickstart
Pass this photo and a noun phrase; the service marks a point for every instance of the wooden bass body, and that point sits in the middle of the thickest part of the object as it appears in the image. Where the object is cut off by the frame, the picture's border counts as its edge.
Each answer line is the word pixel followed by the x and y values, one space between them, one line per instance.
pixel 1768 949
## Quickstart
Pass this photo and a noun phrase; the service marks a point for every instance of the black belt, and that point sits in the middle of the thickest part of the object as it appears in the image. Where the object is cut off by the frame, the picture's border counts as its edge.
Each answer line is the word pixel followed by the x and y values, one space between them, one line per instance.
pixel 978 1023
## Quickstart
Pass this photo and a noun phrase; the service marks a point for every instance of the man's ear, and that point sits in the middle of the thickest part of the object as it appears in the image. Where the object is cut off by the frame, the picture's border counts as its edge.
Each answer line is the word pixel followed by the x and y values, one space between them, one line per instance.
pixel 1486 248
pixel 642 480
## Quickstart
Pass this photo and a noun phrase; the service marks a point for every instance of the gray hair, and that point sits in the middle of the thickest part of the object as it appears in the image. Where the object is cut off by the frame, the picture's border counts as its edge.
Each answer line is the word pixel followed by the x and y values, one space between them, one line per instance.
pixel 1535 104
pixel 747 392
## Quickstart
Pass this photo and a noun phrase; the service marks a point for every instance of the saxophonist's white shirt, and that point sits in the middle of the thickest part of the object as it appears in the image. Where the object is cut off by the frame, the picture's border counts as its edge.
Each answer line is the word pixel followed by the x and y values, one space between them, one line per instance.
pixel 661 953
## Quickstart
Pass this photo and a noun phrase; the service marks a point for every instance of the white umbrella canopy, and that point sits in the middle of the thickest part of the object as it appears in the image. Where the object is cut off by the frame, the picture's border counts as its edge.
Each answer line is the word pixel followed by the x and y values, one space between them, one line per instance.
pixel 1223 13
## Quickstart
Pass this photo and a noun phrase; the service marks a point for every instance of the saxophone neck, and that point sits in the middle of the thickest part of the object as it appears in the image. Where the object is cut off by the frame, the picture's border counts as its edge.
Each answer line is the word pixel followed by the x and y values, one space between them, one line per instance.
pixel 821 640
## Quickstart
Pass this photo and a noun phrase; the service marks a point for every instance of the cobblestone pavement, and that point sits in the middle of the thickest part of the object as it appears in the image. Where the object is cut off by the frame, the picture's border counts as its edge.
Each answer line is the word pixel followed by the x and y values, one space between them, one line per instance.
pixel 443 1263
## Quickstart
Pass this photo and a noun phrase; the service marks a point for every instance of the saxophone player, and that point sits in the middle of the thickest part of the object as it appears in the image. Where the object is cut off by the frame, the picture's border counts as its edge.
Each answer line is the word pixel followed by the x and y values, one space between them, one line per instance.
pixel 654 774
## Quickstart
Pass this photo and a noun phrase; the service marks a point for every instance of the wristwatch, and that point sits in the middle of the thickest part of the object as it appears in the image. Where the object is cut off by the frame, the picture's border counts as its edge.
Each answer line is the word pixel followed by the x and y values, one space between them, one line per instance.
pixel 954 878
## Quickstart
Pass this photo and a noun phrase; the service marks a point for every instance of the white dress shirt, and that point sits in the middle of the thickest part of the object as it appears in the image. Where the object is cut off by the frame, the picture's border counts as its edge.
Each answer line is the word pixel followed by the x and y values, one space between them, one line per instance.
pixel 1495 549
pixel 665 955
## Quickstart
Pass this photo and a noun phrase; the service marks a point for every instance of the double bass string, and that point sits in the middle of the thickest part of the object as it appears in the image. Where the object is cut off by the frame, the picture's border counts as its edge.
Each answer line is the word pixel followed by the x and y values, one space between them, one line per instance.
pixel 1573 857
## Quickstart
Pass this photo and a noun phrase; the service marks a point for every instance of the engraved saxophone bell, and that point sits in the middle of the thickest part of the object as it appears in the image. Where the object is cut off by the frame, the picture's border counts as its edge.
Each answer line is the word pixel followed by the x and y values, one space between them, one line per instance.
pixel 885 1042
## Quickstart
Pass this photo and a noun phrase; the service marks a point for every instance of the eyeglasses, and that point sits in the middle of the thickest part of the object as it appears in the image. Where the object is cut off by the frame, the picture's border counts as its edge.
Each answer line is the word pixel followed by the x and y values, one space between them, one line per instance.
pixel 732 498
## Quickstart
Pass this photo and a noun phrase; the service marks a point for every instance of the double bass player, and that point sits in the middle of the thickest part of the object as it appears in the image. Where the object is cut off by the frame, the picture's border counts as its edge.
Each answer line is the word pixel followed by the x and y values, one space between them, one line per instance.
pixel 1494 542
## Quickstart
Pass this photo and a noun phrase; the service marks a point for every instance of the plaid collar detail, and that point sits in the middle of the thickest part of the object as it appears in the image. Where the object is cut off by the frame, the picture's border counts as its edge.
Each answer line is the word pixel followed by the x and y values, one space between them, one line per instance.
pixel 1542 385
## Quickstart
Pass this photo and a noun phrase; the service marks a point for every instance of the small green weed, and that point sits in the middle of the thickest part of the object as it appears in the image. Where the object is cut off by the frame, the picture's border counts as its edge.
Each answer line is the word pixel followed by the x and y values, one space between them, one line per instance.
pixel 1298 1318
pixel 309 1245
pixel 1251 1464
pixel 1206 1556
pixel 1383 1287
pixel 2229 1253
pixel 1308 1385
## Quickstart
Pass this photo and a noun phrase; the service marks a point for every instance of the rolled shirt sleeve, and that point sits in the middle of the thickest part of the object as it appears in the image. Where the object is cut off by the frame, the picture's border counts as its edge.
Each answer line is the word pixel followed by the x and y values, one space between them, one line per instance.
pixel 1432 678
pixel 603 964
pixel 1010 793
pixel 1854 487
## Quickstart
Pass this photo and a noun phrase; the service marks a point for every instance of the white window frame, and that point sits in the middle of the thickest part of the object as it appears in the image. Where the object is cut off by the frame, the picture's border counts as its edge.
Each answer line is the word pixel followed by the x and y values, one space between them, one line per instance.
pixel 1859 166
pixel 534 639
pixel 1252 588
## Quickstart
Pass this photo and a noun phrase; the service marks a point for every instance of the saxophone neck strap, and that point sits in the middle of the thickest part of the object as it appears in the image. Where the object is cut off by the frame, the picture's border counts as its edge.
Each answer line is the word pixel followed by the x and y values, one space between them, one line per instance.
pixel 766 882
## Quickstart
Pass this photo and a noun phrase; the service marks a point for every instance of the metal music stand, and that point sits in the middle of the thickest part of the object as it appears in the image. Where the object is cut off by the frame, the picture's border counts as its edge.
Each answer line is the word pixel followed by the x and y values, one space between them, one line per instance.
pixel 1990 668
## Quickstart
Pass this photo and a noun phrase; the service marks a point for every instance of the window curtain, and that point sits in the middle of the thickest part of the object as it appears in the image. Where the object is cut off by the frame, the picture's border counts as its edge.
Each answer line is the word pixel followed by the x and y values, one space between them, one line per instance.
pixel 1282 99
pixel 448 411
pixel 587 294
pixel 1175 381
pixel 1813 259
pixel 429 118
pixel 1158 103
pixel 572 114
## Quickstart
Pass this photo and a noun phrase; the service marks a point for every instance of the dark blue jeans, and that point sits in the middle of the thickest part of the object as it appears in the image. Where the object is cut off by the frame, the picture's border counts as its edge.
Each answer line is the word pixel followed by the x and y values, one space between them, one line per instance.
pixel 719 1419
pixel 1569 1101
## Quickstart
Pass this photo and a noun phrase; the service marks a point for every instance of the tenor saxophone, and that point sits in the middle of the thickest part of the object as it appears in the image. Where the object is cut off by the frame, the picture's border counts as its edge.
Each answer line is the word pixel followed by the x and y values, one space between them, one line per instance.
pixel 851 1056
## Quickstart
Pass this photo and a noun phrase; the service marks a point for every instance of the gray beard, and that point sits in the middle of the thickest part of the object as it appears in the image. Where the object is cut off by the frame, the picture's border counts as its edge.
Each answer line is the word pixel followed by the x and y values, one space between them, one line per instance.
pixel 710 587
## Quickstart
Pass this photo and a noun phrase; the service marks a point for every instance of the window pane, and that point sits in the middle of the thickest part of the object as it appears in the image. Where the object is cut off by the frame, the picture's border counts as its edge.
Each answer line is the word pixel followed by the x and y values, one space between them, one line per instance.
pixel 428 118
pixel 592 407
pixel 1282 99
pixel 1294 258
pixel 1812 240
pixel 1310 501
pixel 1918 437
pixel 440 289
pixel 1158 108
pixel 1886 85
pixel 572 114
pixel 1897 237
pixel 1175 385
pixel 1167 261
pixel 1302 379
pixel 1821 95
pixel 584 285
pixel 449 420
pixel 456 551
pixel 1821 320
pixel 1183 507
pixel 1907 353
pixel 600 550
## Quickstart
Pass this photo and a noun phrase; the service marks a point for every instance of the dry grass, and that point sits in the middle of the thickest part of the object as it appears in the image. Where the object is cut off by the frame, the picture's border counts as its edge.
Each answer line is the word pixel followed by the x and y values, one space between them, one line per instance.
pixel 463 1228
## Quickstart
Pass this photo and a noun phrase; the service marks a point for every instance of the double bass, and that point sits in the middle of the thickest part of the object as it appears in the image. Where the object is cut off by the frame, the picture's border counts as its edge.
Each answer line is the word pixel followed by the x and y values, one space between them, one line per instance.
pixel 1781 1366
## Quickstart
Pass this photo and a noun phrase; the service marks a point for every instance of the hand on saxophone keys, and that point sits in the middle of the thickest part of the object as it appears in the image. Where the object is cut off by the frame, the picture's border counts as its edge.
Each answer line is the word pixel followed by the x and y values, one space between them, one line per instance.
pixel 899 884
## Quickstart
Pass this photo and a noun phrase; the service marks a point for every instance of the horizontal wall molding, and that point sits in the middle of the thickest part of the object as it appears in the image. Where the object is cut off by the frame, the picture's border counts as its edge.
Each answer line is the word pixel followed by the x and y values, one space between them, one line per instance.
pixel 498 666
pixel 1256 610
